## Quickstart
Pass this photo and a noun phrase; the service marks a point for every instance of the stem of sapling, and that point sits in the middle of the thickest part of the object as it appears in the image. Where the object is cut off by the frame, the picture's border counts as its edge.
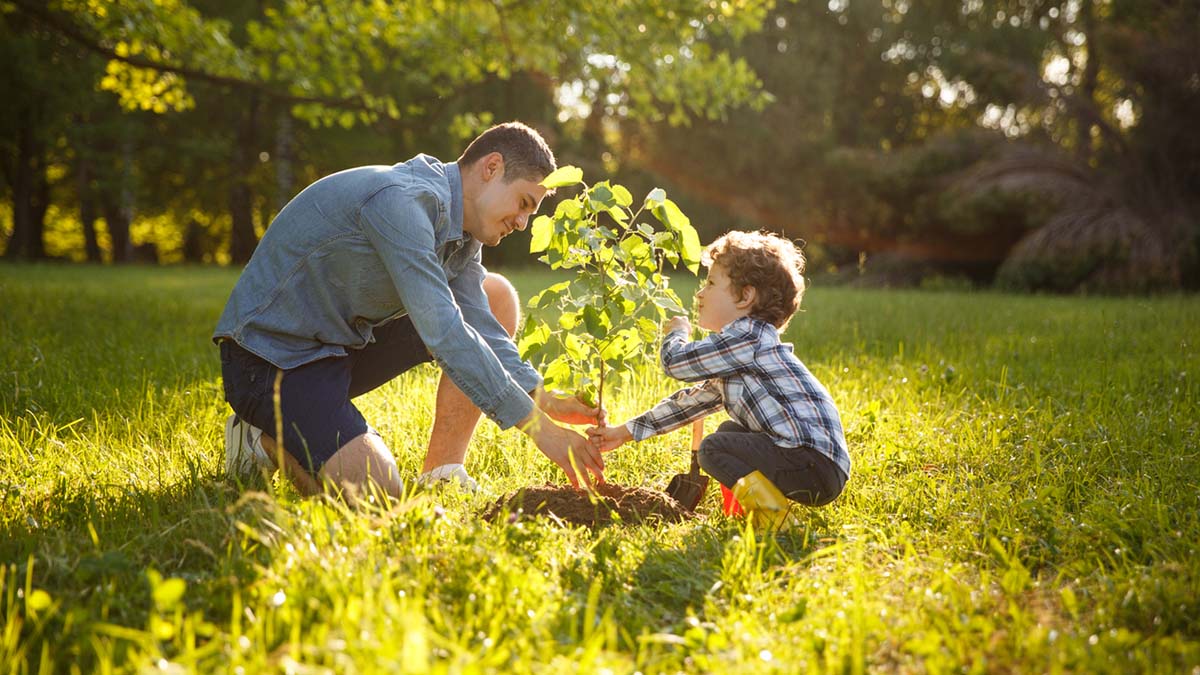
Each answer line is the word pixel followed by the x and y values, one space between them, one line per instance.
pixel 596 342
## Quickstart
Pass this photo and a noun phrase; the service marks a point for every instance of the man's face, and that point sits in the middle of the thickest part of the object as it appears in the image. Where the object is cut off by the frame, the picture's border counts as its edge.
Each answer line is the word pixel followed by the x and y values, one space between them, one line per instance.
pixel 502 207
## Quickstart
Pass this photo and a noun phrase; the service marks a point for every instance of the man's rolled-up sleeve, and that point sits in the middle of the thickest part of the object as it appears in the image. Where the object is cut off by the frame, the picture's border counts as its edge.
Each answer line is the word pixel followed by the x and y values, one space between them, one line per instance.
pixel 399 222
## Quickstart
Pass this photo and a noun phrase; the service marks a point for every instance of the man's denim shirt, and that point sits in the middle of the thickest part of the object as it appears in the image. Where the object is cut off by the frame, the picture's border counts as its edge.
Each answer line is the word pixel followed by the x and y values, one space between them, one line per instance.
pixel 362 247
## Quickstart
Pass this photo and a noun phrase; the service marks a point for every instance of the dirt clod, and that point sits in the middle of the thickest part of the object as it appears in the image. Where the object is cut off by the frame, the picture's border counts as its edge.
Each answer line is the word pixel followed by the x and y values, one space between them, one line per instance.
pixel 611 503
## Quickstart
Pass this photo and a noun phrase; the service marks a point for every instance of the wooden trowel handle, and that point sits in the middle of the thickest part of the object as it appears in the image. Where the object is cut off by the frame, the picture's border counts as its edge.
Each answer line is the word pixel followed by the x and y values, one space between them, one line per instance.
pixel 697 433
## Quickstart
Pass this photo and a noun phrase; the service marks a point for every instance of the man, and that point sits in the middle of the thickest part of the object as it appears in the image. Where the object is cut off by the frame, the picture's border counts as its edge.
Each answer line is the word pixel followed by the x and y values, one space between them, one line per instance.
pixel 367 273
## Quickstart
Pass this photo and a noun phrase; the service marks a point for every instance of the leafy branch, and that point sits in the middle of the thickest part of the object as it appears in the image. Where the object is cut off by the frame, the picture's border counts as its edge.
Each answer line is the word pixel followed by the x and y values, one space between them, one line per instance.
pixel 606 318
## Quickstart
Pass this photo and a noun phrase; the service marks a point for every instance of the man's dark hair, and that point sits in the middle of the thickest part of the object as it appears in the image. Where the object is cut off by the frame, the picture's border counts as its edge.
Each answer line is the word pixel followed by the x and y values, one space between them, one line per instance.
pixel 526 154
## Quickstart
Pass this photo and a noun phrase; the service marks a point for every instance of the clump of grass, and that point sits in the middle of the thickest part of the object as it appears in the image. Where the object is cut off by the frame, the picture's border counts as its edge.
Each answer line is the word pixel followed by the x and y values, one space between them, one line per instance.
pixel 1024 499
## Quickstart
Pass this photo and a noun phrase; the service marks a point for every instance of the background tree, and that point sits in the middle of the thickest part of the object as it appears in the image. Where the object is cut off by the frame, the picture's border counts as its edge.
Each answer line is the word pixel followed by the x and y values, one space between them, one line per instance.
pixel 396 65
pixel 919 130
pixel 933 138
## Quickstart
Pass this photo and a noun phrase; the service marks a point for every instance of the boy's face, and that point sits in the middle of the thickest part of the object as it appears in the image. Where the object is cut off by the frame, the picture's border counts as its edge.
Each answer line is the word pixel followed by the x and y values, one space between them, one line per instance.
pixel 716 302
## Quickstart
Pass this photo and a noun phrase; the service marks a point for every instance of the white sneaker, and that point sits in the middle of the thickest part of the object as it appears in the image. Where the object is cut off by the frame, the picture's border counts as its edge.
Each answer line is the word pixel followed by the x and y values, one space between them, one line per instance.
pixel 449 473
pixel 244 453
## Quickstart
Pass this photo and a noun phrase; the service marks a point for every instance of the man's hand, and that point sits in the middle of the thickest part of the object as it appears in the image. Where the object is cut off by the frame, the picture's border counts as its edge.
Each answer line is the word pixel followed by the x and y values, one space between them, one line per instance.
pixel 678 322
pixel 604 438
pixel 568 409
pixel 566 448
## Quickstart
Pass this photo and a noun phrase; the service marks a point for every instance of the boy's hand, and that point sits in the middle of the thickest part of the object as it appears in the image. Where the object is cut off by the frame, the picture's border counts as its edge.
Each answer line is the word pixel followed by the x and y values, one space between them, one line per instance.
pixel 604 439
pixel 679 322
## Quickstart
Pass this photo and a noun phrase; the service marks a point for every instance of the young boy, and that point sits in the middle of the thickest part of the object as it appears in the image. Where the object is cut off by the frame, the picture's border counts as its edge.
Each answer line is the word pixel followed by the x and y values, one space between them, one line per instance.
pixel 785 439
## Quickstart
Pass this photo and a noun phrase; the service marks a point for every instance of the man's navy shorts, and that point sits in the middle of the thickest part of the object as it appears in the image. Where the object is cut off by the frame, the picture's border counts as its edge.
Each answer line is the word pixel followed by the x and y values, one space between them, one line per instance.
pixel 314 399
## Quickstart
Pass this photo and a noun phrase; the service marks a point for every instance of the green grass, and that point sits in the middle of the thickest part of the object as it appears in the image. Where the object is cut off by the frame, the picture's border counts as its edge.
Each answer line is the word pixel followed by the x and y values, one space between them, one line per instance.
pixel 1025 499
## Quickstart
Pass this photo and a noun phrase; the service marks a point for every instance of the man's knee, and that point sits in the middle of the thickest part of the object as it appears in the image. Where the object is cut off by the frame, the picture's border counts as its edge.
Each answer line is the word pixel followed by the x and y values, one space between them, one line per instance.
pixel 503 300
pixel 364 460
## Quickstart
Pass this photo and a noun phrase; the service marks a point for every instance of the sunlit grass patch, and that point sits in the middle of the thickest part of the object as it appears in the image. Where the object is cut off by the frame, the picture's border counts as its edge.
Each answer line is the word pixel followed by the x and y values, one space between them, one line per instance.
pixel 1025 497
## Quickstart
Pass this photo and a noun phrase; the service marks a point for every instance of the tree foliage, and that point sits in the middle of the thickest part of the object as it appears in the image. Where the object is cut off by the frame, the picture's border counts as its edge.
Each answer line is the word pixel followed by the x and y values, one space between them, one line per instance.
pixel 884 111
pixel 862 127
pixel 216 84
pixel 355 61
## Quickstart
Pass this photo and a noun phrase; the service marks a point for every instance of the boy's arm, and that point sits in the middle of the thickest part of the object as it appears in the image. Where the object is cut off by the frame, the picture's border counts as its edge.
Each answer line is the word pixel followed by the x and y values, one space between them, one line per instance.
pixel 717 355
pixel 677 410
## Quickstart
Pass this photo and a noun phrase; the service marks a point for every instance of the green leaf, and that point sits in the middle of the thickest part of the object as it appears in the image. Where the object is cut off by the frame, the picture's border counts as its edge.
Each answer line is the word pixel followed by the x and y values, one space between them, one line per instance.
pixel 534 340
pixel 636 248
pixel 568 209
pixel 647 328
pixel 563 176
pixel 633 341
pixel 601 197
pixel 615 351
pixel 622 195
pixel 596 321
pixel 656 197
pixel 574 347
pixel 605 253
pixel 557 375
pixel 541 231
pixel 668 214
pixel 645 268
pixel 691 248
pixel 670 293
pixel 671 304
pixel 549 296
pixel 587 395
pixel 606 232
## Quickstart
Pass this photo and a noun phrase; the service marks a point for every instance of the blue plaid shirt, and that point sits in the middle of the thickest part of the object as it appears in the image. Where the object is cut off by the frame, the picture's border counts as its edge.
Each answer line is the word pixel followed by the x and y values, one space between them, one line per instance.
pixel 757 379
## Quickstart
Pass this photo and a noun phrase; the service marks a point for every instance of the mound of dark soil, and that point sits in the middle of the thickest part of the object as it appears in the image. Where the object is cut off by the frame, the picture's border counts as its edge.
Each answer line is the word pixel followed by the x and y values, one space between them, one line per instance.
pixel 610 503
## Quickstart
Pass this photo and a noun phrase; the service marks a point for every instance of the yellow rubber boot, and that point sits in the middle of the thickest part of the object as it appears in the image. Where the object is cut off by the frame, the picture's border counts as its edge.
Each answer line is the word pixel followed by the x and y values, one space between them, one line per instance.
pixel 763 502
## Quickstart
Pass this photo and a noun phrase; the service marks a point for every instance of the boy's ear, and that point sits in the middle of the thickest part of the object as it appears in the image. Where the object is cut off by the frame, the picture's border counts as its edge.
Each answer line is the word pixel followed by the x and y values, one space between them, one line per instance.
pixel 748 295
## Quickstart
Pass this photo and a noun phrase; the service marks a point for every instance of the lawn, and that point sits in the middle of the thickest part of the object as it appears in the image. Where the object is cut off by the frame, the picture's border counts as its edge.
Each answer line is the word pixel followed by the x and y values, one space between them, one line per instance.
pixel 1025 498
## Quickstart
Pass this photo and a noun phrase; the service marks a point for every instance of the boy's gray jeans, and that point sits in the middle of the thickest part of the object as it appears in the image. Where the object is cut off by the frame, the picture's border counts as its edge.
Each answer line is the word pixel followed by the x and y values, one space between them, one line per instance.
pixel 803 475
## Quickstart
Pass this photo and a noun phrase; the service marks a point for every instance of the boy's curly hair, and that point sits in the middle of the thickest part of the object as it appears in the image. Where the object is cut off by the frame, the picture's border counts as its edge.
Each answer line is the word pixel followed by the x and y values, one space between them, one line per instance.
pixel 770 264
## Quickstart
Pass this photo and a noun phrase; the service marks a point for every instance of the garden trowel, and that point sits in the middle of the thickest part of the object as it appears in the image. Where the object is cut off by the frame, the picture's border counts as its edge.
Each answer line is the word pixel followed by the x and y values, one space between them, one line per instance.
pixel 688 488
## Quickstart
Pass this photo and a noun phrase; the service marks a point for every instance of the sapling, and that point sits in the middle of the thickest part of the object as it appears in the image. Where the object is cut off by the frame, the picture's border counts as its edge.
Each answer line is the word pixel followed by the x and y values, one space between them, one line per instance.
pixel 600 326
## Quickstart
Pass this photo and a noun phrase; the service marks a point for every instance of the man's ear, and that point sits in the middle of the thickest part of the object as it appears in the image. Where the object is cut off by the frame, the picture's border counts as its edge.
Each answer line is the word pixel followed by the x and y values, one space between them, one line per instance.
pixel 491 166
pixel 748 295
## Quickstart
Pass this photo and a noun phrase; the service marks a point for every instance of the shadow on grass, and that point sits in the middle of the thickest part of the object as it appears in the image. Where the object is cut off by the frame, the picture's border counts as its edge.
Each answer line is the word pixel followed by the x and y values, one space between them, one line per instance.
pixel 91 549
pixel 716 565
